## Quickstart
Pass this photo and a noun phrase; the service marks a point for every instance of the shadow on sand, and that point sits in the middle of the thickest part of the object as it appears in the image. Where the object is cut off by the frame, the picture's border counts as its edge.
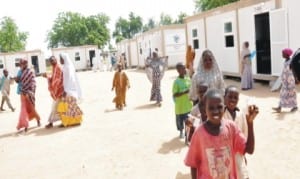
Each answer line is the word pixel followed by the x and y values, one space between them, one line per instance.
pixel 179 175
pixel 43 131
pixel 17 133
pixel 111 110
pixel 282 115
pixel 37 131
pixel 175 145
pixel 146 106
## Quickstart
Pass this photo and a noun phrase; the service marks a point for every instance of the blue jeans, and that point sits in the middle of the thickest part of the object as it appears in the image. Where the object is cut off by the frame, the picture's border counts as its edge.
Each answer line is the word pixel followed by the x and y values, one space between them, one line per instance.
pixel 180 118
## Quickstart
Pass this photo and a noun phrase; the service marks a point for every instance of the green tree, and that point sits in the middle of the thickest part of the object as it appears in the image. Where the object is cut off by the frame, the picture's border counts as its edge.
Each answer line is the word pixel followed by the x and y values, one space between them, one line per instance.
pixel 180 18
pixel 126 29
pixel 11 39
pixel 204 5
pixel 165 19
pixel 98 33
pixel 73 29
pixel 150 25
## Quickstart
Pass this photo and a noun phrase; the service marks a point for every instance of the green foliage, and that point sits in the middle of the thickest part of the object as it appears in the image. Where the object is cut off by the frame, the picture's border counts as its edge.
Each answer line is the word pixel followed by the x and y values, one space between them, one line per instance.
pixel 165 19
pixel 11 39
pixel 204 5
pixel 150 25
pixel 180 18
pixel 73 29
pixel 126 29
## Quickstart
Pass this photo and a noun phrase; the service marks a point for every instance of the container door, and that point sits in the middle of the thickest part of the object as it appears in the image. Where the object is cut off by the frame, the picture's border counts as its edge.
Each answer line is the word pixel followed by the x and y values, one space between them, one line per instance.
pixel 279 39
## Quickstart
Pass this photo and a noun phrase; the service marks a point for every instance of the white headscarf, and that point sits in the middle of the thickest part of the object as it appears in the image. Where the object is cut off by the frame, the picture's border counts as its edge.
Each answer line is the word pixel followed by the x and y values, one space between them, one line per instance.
pixel 70 80
pixel 213 77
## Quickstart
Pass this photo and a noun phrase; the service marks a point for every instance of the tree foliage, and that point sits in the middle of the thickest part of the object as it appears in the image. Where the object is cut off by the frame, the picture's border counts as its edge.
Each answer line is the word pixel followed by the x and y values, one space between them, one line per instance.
pixel 126 29
pixel 73 29
pixel 204 5
pixel 11 39
pixel 151 24
pixel 165 19
pixel 180 18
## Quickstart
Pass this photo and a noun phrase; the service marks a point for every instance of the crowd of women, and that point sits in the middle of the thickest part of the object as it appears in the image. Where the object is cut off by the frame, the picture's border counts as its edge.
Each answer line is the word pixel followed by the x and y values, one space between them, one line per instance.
pixel 63 86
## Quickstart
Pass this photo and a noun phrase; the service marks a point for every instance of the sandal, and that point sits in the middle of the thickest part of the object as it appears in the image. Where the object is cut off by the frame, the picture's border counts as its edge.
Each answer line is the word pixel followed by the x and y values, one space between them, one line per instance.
pixel 278 109
pixel 294 109
pixel 39 123
pixel 48 126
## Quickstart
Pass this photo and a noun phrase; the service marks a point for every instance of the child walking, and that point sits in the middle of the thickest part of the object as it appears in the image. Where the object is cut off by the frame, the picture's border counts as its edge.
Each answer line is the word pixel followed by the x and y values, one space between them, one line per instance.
pixel 214 144
pixel 288 93
pixel 5 90
pixel 120 84
pixel 233 113
pixel 183 104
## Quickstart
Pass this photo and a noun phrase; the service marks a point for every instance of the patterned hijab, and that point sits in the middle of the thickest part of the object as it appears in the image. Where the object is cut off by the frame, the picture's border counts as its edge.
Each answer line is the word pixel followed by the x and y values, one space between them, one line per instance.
pixel 213 76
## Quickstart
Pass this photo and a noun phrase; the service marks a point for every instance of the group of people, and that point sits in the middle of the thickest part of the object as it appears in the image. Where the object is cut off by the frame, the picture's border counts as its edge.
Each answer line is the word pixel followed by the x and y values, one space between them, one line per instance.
pixel 63 86
pixel 217 131
pixel 155 67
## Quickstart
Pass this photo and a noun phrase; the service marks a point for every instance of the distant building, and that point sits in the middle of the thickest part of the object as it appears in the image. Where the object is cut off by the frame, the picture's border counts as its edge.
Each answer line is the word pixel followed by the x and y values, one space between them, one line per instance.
pixel 169 40
pixel 10 61
pixel 268 26
pixel 81 56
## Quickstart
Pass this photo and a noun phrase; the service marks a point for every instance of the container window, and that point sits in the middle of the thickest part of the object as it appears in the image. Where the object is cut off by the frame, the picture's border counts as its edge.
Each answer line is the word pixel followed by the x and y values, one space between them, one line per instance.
pixel 77 56
pixel 229 41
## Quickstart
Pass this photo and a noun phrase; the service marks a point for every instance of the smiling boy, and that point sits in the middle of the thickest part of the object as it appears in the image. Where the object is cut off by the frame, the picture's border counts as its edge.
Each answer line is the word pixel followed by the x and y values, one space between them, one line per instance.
pixel 215 143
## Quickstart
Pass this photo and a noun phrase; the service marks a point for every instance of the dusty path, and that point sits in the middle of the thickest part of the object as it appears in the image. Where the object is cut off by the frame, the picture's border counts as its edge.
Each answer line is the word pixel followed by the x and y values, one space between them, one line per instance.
pixel 139 142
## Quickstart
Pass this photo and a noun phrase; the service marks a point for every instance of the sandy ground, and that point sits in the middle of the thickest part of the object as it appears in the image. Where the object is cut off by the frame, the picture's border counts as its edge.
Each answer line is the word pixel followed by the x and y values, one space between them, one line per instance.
pixel 139 142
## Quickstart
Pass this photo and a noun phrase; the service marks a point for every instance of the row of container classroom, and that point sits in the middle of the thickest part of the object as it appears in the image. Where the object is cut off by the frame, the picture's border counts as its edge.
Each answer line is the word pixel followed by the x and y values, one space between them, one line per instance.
pixel 81 56
pixel 169 40
pixel 268 25
pixel 10 61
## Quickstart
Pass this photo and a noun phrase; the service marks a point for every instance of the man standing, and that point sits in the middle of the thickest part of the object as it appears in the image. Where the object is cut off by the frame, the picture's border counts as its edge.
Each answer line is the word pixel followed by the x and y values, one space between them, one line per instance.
pixel 5 89
pixel 56 89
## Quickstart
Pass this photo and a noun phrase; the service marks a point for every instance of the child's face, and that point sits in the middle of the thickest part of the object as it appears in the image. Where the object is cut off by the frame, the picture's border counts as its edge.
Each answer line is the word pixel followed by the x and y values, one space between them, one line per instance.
pixel 214 109
pixel 201 91
pixel 181 71
pixel 231 99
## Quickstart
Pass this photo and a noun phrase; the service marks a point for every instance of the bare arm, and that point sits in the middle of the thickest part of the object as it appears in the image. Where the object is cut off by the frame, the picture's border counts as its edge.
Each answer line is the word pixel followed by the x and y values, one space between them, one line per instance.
pixel 252 112
pixel 181 93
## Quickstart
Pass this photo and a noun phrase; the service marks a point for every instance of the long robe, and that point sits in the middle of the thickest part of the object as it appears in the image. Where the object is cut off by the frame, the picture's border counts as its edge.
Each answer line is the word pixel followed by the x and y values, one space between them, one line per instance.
pixel 120 83
pixel 56 89
pixel 247 77
pixel 28 87
pixel 288 93
pixel 73 114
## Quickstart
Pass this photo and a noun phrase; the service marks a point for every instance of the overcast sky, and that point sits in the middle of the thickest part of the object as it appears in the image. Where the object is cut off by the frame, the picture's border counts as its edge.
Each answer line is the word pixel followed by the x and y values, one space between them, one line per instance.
pixel 37 16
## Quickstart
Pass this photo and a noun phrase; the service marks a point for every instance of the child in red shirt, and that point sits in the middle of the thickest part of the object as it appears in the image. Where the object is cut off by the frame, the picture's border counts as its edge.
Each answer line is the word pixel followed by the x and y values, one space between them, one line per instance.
pixel 214 144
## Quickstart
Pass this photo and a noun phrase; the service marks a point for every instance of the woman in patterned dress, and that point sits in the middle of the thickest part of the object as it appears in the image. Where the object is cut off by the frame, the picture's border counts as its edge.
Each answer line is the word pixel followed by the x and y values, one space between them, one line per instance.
pixel 157 66
pixel 288 94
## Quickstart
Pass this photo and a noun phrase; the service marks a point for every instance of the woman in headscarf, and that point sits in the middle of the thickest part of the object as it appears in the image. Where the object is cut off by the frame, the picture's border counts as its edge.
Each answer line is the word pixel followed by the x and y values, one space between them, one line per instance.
pixel 56 89
pixel 288 94
pixel 157 68
pixel 189 60
pixel 207 71
pixel 72 92
pixel 246 77
pixel 28 87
